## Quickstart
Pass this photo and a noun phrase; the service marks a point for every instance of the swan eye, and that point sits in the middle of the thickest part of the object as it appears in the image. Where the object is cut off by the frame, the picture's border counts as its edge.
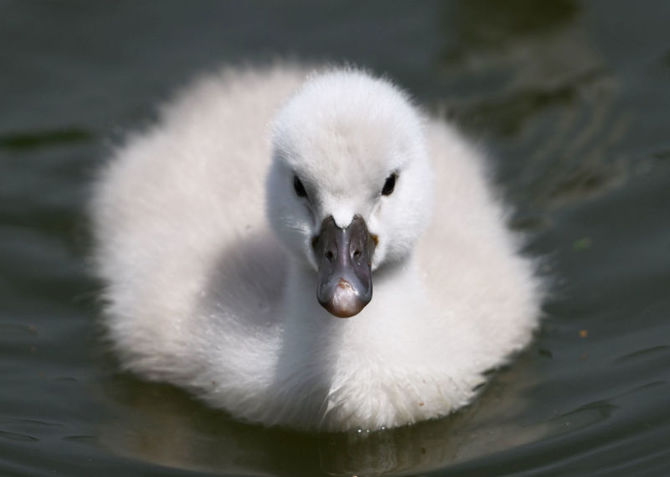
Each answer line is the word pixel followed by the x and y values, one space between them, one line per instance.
pixel 389 185
pixel 299 188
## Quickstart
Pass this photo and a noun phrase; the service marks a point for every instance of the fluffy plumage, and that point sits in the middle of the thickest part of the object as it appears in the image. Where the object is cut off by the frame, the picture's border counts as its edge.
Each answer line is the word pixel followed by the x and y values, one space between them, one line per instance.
pixel 211 276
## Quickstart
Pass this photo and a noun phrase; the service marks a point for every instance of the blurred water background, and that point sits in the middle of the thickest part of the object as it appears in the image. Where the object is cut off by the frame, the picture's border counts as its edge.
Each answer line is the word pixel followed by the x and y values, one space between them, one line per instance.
pixel 571 99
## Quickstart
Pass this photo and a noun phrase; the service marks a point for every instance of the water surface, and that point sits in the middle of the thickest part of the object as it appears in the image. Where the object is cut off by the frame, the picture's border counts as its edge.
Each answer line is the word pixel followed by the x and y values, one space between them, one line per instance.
pixel 570 98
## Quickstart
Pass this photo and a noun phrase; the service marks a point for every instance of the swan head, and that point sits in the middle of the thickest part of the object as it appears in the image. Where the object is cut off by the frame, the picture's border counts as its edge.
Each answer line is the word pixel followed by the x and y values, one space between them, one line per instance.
pixel 349 190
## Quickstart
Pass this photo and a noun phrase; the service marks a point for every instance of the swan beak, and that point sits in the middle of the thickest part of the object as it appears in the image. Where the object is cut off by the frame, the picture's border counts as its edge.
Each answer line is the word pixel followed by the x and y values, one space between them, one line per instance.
pixel 344 257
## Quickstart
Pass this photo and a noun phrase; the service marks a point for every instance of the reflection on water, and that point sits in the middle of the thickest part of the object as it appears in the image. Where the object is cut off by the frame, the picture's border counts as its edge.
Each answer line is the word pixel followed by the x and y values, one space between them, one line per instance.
pixel 169 428
pixel 571 98
pixel 537 56
pixel 553 95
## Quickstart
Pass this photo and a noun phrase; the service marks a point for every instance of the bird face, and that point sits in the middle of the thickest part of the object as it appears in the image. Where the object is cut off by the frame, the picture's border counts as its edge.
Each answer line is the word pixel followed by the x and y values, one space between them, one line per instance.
pixel 349 189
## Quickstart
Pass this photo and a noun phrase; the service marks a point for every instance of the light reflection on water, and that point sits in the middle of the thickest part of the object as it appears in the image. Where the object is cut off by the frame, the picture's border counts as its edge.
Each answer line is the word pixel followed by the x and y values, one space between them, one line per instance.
pixel 571 99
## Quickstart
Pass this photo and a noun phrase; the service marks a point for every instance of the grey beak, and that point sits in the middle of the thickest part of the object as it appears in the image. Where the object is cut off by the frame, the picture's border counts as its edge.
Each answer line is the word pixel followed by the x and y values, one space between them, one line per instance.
pixel 344 257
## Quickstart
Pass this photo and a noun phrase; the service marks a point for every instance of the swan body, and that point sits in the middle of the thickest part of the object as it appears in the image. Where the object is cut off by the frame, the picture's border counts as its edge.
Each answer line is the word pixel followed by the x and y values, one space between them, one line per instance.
pixel 207 247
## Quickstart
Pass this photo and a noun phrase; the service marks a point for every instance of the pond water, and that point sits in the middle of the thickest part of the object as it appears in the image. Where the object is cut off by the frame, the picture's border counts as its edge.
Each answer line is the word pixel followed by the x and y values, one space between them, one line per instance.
pixel 571 98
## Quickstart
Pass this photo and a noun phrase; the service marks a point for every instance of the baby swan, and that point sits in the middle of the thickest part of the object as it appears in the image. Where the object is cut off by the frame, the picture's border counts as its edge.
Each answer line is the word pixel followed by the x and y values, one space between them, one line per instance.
pixel 243 303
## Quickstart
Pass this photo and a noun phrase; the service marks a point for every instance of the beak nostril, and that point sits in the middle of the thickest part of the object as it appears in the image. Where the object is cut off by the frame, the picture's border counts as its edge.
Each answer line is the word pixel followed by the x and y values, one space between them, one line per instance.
pixel 344 285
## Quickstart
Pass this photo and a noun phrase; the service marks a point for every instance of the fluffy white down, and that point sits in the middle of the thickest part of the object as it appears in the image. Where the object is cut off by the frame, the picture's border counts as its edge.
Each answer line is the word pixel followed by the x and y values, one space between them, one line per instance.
pixel 212 290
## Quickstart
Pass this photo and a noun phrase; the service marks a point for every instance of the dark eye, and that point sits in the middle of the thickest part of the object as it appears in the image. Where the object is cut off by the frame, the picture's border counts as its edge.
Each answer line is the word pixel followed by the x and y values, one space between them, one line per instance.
pixel 389 185
pixel 299 188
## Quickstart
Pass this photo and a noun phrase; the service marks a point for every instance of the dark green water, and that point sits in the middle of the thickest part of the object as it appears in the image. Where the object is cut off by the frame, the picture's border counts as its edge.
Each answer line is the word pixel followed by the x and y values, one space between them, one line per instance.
pixel 571 98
